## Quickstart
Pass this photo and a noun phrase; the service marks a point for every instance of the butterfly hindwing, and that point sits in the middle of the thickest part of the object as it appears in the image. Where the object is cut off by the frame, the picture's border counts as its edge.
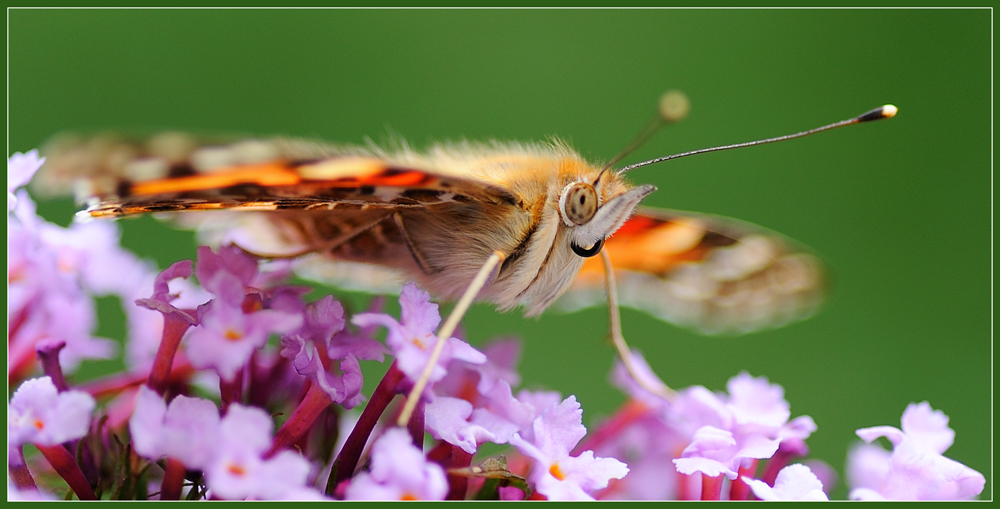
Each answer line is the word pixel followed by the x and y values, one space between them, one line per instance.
pixel 713 274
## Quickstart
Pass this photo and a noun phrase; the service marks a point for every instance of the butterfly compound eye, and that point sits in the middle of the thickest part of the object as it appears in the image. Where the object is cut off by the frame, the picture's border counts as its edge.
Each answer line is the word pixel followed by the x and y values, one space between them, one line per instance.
pixel 578 203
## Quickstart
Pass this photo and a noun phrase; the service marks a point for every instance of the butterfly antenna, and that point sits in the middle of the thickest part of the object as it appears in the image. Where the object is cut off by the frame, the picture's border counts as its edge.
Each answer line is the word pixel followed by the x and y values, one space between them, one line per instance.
pixel 887 111
pixel 673 107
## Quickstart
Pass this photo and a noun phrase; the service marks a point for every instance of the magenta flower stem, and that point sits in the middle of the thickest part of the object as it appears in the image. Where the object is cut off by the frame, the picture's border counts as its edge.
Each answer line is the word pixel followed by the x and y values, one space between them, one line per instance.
pixel 740 490
pixel 114 384
pixel 48 354
pixel 20 361
pixel 416 425
pixel 231 391
pixel 610 429
pixel 173 480
pixel 780 460
pixel 18 470
pixel 347 461
pixel 711 487
pixel 64 464
pixel 315 401
pixel 458 484
pixel 173 331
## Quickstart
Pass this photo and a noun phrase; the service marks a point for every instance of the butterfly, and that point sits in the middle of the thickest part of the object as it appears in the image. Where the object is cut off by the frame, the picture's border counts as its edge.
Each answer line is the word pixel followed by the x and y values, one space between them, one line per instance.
pixel 373 217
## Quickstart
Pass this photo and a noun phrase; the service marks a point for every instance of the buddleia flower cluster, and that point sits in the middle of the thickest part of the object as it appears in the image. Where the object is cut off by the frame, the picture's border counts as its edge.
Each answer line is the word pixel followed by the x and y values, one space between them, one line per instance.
pixel 240 385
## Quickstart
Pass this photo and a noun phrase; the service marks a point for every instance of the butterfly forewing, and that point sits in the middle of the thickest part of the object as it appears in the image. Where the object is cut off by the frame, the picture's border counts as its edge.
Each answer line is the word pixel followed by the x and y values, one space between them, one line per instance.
pixel 709 273
pixel 172 172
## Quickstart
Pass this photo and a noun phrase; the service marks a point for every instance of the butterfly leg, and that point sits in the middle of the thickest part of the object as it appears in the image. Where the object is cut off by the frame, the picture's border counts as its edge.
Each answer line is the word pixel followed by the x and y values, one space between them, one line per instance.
pixel 417 256
pixel 485 274
pixel 624 353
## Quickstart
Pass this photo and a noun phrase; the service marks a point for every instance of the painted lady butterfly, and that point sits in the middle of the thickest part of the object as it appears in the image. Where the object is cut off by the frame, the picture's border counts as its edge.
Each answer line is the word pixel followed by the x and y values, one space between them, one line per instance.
pixel 371 218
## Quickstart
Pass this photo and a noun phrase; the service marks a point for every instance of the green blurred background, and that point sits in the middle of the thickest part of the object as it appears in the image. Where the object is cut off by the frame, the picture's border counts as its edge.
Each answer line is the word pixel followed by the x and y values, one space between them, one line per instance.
pixel 900 209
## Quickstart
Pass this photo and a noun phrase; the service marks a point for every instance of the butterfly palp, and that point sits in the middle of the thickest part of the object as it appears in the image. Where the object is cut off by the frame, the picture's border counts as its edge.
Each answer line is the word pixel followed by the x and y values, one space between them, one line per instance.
pixel 587 252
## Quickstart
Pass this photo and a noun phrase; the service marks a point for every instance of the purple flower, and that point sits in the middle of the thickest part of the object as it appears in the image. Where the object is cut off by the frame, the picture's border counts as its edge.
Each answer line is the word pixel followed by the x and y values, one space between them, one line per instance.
pixel 794 482
pixel 750 423
pixel 227 335
pixel 323 319
pixel 454 421
pixel 399 471
pixel 186 430
pixel 699 432
pixel 172 296
pixel 237 469
pixel 495 416
pixel 39 414
pixel 755 403
pixel 20 169
pixel 714 452
pixel 916 468
pixel 555 473
pixel 621 378
pixel 469 380
pixel 47 300
pixel 52 274
pixel 474 402
pixel 230 259
pixel 412 338
pixel 92 251
pixel 229 450
pixel 344 389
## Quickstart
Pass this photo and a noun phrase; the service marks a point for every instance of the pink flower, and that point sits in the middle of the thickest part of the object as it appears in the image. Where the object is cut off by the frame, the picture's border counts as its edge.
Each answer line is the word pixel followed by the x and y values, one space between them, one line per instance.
pixel 412 338
pixel 794 482
pixel 714 452
pixel 344 388
pixel 399 471
pixel 20 169
pixel 172 297
pixel 474 402
pixel 227 335
pixel 237 469
pixel 39 414
pixel 229 450
pixel 323 320
pixel 916 469
pixel 555 473
pixel 186 430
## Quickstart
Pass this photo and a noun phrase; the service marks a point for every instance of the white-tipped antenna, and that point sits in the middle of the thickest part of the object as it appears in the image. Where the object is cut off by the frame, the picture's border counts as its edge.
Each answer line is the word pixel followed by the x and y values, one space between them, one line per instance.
pixel 887 111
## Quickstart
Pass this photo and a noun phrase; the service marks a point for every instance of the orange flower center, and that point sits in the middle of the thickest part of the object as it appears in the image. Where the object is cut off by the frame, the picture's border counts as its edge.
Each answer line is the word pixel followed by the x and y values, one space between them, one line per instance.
pixel 236 470
pixel 420 343
pixel 232 335
pixel 557 472
pixel 39 424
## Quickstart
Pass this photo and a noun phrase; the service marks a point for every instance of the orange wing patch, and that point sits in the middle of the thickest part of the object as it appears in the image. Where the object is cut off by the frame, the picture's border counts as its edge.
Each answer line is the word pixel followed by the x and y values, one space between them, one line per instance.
pixel 656 245
pixel 300 178
pixel 713 274
pixel 264 175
